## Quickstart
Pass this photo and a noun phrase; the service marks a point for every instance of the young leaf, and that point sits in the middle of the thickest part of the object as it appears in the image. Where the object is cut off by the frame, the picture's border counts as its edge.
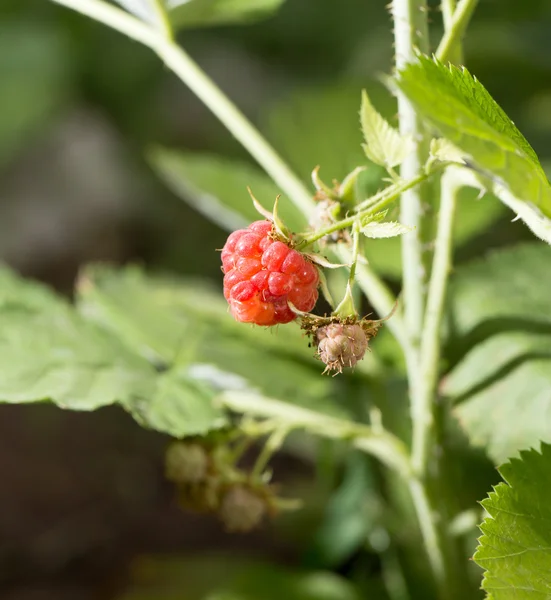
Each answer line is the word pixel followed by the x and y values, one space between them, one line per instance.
pixel 384 145
pixel 217 188
pixel 515 548
pixel 385 229
pixel 199 13
pixel 459 107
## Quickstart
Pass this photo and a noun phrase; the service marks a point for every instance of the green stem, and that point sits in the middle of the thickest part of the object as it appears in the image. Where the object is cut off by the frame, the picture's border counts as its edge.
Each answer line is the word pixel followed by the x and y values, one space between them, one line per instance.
pixel 431 536
pixel 272 445
pixel 390 450
pixel 411 32
pixel 455 30
pixel 380 296
pixel 205 89
pixel 368 207
pixel 423 417
pixel 448 8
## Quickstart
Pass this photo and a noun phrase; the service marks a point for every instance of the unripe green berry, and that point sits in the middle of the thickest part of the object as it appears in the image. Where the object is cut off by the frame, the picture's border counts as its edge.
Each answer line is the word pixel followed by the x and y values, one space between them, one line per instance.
pixel 242 509
pixel 186 462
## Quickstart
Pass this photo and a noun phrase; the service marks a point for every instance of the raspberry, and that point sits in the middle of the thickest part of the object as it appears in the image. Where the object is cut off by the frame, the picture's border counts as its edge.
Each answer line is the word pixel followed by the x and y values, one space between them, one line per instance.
pixel 261 275
pixel 186 462
pixel 242 509
pixel 341 345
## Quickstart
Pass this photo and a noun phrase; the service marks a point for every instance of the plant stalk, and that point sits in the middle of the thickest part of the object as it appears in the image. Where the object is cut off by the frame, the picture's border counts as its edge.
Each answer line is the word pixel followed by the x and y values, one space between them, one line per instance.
pixel 423 420
pixel 368 207
pixel 389 449
pixel 450 48
pixel 410 34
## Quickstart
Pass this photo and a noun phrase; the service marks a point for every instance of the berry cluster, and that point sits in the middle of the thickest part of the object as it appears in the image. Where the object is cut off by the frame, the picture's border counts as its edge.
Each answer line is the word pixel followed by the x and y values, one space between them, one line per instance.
pixel 262 275
pixel 207 481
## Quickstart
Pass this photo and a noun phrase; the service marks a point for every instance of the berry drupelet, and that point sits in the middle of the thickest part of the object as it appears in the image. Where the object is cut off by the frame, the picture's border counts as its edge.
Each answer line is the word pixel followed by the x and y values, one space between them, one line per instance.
pixel 262 275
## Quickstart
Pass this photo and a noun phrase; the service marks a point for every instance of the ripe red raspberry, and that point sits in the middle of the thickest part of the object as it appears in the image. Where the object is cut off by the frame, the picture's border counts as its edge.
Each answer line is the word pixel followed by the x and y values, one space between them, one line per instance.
pixel 263 274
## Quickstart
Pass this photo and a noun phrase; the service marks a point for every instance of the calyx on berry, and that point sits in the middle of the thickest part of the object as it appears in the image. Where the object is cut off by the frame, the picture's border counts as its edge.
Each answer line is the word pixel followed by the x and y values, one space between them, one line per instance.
pixel 341 342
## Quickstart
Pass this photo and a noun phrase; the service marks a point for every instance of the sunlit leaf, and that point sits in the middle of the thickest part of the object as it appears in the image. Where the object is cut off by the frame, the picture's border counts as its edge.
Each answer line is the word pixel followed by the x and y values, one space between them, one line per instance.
pixel 460 108
pixel 515 548
pixel 51 353
pixel 384 145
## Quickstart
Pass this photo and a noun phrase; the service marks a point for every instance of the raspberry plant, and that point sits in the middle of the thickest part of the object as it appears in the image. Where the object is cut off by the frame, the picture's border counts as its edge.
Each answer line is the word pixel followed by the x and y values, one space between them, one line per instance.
pixel 462 352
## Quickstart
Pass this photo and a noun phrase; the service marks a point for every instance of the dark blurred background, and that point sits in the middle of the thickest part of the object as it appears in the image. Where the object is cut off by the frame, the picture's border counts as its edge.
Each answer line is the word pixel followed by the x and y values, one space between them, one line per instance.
pixel 85 512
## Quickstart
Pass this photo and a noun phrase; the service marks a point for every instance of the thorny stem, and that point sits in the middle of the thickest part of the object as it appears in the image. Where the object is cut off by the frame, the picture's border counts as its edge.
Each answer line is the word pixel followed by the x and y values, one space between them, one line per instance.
pixel 454 30
pixel 411 33
pixel 423 418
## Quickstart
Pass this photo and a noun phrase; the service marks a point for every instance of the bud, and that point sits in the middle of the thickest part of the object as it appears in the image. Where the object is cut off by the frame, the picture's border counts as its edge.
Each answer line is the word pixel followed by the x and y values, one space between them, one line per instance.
pixel 341 345
pixel 242 509
pixel 186 463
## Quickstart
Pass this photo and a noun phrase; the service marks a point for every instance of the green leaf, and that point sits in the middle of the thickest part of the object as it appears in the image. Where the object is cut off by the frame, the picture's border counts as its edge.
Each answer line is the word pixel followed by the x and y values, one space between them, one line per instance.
pixel 515 548
pixel 217 188
pixel 504 287
pixel 459 107
pixel 187 325
pixel 387 229
pixel 180 406
pixel 501 329
pixel 198 13
pixel 50 353
pixel 384 145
